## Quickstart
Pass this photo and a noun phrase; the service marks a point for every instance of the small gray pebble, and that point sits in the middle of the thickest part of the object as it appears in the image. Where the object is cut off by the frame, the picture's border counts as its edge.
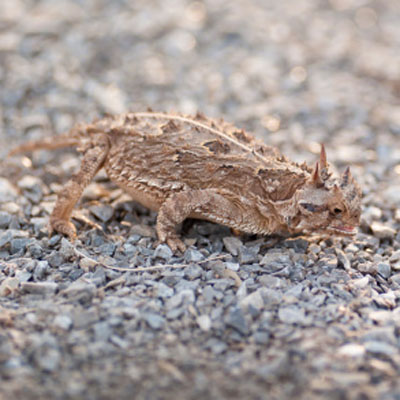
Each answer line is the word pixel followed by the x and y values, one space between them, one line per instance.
pixel 80 289
pixel 23 276
pixel 236 320
pixel 5 219
pixel 247 255
pixel 242 291
pixel 217 266
pixel 67 250
pixel 175 313
pixel 63 322
pixel 291 315
pixel 342 259
pixel 204 322
pixel 5 238
pixel 382 231
pixel 295 291
pixel 55 259
pixel 41 270
pixel 222 284
pixel 35 250
pixel 163 251
pixel 7 191
pixel 48 360
pixel 275 258
pixel 103 212
pixel 107 249
pixel 209 294
pixel 261 337
pixel 30 265
pixel 192 255
pixel 96 239
pixel 395 256
pixel 232 266
pixel 102 331
pixel 84 318
pixel 29 182
pixel 353 350
pixel 216 346
pixel 183 284
pixel 271 296
pixel 272 282
pixel 39 287
pixel 380 348
pixel 17 245
pixel 298 244
pixel 75 274
pixel 34 194
pixel 15 223
pixel 386 300
pixel 54 240
pixel 314 248
pixel 395 278
pixel 329 262
pixel 98 277
pixel 155 321
pixel 232 244
pixel 183 297
pixel 193 272
pixel 384 270
pixel 380 334
pixel 118 341
pixel 254 300
pixel 39 224
pixel 163 291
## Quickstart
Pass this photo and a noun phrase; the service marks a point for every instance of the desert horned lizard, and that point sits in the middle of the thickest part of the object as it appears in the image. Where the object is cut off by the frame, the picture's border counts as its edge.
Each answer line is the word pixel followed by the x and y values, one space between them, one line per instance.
pixel 195 167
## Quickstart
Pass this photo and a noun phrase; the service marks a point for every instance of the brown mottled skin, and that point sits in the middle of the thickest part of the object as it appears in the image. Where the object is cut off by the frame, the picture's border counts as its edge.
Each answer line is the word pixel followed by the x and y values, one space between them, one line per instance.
pixel 196 167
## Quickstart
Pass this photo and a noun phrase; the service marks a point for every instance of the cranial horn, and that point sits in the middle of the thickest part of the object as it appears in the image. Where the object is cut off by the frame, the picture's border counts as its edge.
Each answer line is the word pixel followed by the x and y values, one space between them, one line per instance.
pixel 322 158
pixel 346 177
pixel 316 177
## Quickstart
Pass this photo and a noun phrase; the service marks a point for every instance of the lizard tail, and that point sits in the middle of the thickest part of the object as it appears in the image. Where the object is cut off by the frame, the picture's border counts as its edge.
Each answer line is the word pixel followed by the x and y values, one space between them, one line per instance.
pixel 49 143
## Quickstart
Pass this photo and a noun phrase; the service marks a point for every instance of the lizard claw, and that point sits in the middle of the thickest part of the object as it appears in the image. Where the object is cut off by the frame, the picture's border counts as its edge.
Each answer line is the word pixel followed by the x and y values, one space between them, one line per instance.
pixel 171 239
pixel 61 226
pixel 176 244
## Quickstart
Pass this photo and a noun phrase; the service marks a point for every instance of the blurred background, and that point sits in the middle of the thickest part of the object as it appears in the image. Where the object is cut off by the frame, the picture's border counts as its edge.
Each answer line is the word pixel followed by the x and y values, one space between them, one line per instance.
pixel 294 72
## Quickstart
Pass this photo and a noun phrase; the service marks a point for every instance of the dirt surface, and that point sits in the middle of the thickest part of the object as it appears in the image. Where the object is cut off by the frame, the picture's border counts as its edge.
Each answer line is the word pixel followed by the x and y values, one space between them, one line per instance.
pixel 234 317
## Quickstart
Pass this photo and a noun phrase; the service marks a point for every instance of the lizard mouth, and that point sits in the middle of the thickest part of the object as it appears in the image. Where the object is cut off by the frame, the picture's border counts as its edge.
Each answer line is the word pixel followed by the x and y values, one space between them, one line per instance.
pixel 348 230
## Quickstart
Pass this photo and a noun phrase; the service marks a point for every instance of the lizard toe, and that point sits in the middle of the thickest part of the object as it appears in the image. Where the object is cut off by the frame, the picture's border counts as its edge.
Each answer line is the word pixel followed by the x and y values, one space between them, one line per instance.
pixel 67 228
pixel 176 244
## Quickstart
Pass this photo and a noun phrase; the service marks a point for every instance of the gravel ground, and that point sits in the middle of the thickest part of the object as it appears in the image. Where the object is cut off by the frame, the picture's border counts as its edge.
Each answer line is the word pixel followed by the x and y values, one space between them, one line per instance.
pixel 234 317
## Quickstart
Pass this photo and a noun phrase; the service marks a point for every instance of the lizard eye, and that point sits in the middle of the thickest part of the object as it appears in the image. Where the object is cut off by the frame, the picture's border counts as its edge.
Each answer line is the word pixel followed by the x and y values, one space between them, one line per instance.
pixel 337 210
pixel 308 207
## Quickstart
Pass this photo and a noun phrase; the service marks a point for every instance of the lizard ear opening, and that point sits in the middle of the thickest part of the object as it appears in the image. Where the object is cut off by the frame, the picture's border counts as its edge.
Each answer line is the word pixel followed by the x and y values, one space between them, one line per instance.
pixel 308 207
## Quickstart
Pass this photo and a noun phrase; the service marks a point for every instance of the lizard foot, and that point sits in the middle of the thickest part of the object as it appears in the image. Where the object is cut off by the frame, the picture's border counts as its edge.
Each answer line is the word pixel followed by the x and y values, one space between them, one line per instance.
pixel 61 226
pixel 176 244
pixel 173 241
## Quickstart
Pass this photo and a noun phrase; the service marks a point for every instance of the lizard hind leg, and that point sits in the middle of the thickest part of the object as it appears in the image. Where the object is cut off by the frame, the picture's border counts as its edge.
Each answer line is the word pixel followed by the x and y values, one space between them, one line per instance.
pixel 92 161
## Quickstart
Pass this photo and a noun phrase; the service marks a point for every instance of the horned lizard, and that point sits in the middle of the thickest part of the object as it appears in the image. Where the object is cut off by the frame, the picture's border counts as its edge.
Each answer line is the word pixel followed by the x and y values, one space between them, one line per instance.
pixel 196 167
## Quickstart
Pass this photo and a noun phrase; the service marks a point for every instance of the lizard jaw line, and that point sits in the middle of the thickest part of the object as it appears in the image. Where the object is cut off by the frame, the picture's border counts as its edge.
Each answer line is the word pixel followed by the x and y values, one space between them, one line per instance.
pixel 347 230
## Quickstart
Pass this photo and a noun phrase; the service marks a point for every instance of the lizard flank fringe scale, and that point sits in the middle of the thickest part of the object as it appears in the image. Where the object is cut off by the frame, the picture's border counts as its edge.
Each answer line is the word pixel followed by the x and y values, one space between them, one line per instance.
pixel 195 167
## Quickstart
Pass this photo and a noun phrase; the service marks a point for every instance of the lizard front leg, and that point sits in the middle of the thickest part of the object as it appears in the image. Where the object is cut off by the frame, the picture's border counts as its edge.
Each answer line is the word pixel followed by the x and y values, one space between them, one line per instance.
pixel 92 161
pixel 203 204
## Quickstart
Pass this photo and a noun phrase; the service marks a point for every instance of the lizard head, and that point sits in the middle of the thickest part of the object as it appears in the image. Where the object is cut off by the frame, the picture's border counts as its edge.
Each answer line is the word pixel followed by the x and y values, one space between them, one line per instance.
pixel 326 204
